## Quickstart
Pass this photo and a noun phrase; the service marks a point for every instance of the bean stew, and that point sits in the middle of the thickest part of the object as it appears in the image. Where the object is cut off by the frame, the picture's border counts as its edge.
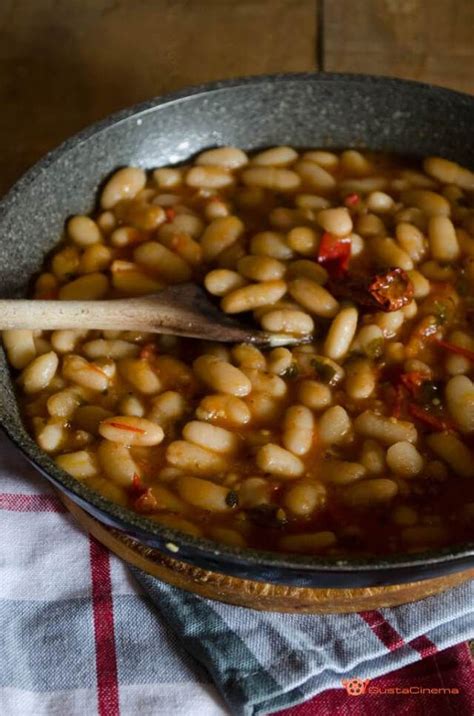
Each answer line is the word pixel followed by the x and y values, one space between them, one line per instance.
pixel 358 442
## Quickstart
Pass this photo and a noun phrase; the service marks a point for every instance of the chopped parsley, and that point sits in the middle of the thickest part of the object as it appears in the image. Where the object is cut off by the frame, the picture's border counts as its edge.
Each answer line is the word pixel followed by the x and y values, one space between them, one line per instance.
pixel 323 370
pixel 291 372
pixel 374 348
pixel 232 498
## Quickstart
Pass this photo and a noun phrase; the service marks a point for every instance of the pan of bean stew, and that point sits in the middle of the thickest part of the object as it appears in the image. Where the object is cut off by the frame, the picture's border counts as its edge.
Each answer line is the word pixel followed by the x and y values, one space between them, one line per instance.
pixel 338 209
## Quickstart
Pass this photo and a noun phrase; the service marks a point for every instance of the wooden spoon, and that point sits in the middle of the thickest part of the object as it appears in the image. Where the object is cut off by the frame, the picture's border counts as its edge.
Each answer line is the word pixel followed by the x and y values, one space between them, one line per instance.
pixel 182 310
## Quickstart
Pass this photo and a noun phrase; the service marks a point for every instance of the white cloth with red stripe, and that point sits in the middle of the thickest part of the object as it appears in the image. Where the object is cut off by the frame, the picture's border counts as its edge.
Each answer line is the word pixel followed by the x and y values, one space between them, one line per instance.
pixel 79 634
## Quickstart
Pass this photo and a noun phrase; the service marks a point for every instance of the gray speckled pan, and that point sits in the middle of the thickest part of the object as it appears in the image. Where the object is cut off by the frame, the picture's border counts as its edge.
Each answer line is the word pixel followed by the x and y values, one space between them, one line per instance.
pixel 300 110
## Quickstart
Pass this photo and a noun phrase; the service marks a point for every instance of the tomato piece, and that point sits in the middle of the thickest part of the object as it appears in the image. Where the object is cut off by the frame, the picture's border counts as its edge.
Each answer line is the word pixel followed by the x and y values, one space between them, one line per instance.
pixel 334 254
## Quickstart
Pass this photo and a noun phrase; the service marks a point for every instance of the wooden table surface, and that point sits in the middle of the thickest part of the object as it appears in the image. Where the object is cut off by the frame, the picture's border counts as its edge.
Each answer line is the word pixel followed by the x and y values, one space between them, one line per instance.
pixel 66 63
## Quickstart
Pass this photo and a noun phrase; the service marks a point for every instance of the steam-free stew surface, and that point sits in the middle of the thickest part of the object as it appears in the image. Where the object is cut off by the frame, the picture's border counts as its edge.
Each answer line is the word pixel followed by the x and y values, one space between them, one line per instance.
pixel 359 442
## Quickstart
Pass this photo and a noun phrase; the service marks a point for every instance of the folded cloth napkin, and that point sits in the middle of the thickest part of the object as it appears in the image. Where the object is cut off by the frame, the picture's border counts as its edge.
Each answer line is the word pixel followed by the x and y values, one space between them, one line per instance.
pixel 263 662
pixel 79 635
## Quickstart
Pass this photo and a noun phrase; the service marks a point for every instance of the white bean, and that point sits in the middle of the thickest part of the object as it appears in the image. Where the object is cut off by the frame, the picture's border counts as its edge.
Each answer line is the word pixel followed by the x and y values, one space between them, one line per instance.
pixel 80 465
pixel 314 395
pixel 129 430
pixel 341 333
pixel 117 463
pixel 277 461
pixel 228 157
pixel 453 451
pixel 385 429
pixel 404 459
pixel 304 498
pixel 449 172
pixel 221 376
pixel 223 408
pixel 90 287
pixel 460 402
pixel 220 282
pixel 298 428
pixel 287 321
pixel 253 296
pixel 367 493
pixel 270 243
pixel 88 375
pixel 313 297
pixel 39 373
pixel 204 494
pixel 411 240
pixel 315 177
pixel 83 231
pixel 124 184
pixel 221 233
pixel 389 254
pixel 274 178
pixel 209 177
pixel 168 266
pixel 20 347
pixel 372 457
pixel 261 268
pixel 334 425
pixel 360 379
pixel 194 458
pixel 444 245
pixel 337 221
pixel 275 157
pixel 210 437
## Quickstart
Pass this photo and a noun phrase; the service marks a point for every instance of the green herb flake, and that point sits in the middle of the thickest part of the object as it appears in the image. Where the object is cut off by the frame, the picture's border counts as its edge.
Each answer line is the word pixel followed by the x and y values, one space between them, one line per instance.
pixel 291 372
pixel 374 348
pixel 232 498
pixel 324 371
pixel 462 286
pixel 440 311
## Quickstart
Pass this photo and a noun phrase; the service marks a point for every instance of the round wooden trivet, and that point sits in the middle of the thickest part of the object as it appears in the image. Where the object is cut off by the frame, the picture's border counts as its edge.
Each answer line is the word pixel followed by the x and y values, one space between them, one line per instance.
pixel 252 594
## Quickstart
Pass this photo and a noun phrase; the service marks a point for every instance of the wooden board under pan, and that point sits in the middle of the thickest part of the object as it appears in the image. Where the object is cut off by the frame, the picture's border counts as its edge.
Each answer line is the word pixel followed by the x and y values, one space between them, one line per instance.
pixel 253 594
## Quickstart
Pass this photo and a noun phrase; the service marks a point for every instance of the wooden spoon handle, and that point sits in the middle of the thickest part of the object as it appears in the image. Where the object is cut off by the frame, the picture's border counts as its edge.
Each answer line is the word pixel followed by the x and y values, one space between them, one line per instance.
pixel 182 310
pixel 53 315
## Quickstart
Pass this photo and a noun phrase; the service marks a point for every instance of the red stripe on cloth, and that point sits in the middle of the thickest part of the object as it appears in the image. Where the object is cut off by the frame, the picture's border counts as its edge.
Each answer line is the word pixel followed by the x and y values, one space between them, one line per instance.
pixel 30 503
pixel 424 646
pixel 105 654
pixel 383 630
pixel 392 639
pixel 452 668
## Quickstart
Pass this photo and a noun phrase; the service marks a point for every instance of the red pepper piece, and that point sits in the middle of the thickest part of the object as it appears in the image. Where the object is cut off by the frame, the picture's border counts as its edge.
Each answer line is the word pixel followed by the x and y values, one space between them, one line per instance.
pixel 170 214
pixel 352 199
pixel 392 290
pixel 387 291
pixel 137 487
pixel 432 421
pixel 146 502
pixel 398 402
pixel 413 380
pixel 149 350
pixel 334 254
pixel 453 348
pixel 124 426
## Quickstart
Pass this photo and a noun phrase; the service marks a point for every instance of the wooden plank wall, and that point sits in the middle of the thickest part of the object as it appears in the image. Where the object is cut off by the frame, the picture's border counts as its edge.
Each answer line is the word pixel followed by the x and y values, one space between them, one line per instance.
pixel 66 63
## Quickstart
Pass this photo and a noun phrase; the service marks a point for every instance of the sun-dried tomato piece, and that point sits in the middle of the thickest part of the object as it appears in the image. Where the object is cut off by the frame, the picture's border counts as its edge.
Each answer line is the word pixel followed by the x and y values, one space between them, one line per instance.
pixel 413 380
pixel 334 254
pixel 387 291
pixel 352 200
pixel 432 421
pixel 146 502
pixel 391 290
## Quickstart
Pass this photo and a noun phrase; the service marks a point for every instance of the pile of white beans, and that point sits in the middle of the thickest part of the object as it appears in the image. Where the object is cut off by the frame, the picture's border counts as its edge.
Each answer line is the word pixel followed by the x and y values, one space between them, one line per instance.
pixel 294 449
